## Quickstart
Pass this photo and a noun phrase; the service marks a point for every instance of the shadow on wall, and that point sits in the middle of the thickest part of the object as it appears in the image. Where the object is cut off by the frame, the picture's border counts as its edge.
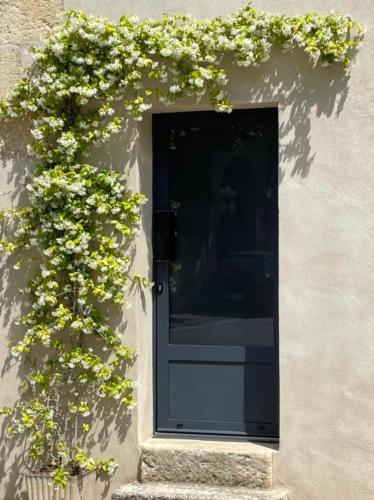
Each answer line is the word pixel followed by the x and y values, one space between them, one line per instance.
pixel 15 166
pixel 131 152
pixel 300 91
pixel 287 79
pixel 109 424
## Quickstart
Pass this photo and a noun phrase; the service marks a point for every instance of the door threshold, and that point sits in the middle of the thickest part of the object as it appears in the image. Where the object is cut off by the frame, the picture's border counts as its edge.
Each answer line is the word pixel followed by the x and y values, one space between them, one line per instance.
pixel 272 442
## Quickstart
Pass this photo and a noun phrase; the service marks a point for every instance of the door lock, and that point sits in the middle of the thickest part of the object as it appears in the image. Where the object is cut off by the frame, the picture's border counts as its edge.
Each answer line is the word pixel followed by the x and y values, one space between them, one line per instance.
pixel 160 288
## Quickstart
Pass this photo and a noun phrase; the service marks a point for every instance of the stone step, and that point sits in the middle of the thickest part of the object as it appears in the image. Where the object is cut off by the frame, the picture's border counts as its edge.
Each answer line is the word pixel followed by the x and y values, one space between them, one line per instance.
pixel 207 462
pixel 169 491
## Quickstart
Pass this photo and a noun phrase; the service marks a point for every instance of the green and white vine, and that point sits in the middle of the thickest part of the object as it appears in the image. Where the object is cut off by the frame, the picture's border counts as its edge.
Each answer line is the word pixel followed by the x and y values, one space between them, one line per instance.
pixel 80 218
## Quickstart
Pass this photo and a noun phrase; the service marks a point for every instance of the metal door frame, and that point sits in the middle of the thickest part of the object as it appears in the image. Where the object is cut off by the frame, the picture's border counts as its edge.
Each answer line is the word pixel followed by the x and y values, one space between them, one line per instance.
pixel 160 175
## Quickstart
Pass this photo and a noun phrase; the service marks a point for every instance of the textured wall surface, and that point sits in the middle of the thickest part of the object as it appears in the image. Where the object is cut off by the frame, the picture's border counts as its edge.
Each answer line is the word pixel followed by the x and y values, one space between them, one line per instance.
pixel 326 247
pixel 22 22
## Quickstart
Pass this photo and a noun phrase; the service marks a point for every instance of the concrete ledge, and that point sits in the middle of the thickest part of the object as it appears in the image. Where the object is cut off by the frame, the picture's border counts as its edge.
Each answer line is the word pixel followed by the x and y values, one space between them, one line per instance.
pixel 162 491
pixel 207 462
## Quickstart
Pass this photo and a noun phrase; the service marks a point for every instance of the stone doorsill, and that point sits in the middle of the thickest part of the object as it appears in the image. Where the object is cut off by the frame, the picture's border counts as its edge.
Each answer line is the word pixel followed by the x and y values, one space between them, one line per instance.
pixel 210 445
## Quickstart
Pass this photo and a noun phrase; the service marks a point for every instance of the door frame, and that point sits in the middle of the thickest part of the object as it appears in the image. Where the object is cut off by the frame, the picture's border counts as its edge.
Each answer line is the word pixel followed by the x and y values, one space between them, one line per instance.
pixel 155 172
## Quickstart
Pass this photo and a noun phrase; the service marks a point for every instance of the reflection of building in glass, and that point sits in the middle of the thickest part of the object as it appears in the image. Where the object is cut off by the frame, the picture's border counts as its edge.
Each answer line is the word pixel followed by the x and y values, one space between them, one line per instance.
pixel 227 203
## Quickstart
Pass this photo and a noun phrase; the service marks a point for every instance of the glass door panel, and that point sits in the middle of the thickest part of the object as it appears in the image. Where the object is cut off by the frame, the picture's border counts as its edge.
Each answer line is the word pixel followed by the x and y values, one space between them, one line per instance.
pixel 223 189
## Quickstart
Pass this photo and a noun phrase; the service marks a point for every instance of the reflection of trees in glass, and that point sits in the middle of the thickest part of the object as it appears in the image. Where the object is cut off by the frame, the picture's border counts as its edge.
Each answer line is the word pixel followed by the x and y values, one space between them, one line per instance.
pixel 217 176
pixel 174 274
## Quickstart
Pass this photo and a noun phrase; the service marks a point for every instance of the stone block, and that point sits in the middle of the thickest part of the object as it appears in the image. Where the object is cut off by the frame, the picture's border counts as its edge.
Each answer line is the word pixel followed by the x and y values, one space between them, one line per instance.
pixel 207 462
pixel 27 20
pixel 163 491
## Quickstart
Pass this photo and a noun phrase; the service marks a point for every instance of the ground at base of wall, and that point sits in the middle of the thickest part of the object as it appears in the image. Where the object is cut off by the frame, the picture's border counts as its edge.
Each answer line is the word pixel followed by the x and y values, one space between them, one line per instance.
pixel 167 491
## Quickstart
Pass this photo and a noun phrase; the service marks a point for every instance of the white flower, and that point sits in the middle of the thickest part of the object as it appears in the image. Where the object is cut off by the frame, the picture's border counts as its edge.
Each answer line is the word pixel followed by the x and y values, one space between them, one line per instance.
pixel 174 89
pixel 37 134
pixel 58 48
pixel 112 468
pixel 106 111
pixel 287 30
pixel 77 187
pixel 210 58
pixel 247 43
pixel 114 66
pixel 166 52
pixel 104 85
pixel 298 38
pixel 90 92
pixel 315 56
pixel 67 141
pixel 101 209
pixel 307 27
pixel 144 107
pixel 199 82
pixel 222 40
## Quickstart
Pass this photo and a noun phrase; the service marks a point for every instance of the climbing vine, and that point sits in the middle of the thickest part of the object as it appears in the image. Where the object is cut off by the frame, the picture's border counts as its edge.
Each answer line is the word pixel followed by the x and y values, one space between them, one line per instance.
pixel 80 218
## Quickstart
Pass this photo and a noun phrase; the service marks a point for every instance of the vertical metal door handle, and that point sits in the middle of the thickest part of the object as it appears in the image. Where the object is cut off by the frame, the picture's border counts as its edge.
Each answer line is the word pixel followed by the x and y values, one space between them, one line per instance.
pixel 165 235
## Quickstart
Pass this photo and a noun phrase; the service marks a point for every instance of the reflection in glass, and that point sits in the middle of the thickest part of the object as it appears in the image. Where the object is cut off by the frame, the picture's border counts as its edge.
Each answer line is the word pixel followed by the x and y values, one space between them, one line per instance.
pixel 223 185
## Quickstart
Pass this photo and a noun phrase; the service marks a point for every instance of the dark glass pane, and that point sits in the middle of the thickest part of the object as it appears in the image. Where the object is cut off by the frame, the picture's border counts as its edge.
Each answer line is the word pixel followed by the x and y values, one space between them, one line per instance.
pixel 223 187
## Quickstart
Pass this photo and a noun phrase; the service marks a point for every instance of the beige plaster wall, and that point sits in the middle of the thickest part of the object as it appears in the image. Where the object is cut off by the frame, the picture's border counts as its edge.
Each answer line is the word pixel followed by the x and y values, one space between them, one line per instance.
pixel 326 213
pixel 22 22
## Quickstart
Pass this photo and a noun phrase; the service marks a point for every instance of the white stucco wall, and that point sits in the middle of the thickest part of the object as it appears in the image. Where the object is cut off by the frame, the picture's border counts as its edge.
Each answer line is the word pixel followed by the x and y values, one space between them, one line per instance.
pixel 326 209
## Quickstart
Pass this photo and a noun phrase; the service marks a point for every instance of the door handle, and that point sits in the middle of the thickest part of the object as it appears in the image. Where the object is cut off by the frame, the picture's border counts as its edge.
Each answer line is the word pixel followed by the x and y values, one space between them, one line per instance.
pixel 160 288
pixel 165 235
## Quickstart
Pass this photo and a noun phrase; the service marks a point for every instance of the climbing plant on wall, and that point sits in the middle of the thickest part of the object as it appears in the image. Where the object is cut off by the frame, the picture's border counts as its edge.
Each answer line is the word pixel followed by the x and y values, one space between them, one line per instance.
pixel 80 218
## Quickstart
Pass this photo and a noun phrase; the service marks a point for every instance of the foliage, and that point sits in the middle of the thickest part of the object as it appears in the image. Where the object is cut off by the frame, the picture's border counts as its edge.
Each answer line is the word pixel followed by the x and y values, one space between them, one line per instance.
pixel 80 218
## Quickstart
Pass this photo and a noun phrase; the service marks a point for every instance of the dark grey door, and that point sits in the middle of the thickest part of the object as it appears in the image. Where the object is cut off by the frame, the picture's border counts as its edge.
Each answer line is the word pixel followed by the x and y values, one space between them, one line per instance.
pixel 216 254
